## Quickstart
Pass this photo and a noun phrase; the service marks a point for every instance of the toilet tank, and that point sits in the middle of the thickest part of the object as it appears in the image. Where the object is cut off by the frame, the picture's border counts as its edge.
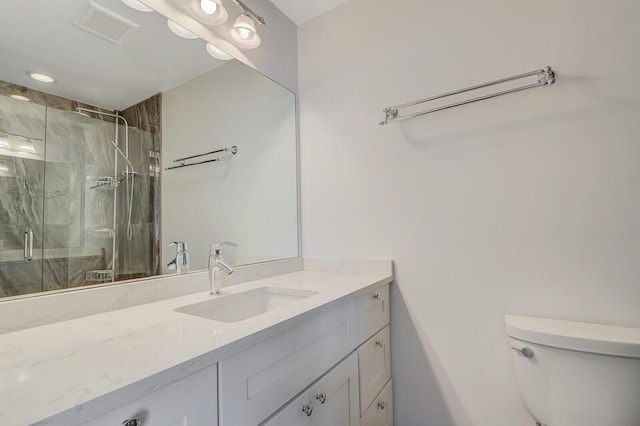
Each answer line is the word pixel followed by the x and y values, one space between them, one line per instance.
pixel 576 373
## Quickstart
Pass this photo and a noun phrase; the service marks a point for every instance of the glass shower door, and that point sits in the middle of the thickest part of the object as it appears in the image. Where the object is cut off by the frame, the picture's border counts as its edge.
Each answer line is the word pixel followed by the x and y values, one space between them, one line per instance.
pixel 22 150
pixel 80 201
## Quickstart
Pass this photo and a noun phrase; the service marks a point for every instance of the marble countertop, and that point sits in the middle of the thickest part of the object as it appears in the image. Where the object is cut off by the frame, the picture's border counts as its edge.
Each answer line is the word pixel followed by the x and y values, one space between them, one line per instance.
pixel 52 373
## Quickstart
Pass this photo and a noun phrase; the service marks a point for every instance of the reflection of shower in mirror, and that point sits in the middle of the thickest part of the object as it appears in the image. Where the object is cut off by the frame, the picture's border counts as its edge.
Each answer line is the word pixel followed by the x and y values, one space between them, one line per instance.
pixel 81 115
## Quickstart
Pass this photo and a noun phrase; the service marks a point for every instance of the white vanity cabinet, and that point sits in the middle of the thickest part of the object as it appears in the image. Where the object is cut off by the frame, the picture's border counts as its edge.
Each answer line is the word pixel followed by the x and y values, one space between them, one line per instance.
pixel 256 382
pixel 332 400
pixel 188 401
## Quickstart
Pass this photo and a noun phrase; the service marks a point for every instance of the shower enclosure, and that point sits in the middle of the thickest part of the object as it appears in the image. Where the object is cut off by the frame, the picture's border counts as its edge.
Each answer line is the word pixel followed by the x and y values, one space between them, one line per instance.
pixel 78 199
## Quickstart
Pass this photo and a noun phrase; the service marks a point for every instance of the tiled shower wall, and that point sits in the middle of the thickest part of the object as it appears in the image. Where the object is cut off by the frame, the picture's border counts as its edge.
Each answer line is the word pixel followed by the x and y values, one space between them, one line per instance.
pixel 50 191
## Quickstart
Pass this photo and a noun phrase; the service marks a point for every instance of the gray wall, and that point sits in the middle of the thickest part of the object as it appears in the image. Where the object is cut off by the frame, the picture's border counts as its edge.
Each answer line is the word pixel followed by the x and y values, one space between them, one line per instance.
pixel 526 204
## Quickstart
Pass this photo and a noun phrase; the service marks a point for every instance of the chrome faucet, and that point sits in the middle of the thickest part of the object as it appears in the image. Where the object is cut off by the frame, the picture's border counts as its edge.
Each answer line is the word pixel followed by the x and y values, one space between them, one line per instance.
pixel 216 265
pixel 181 262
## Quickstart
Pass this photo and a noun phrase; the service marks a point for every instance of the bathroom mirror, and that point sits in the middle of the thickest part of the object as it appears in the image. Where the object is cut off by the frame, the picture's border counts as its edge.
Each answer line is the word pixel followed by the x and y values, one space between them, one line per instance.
pixel 86 198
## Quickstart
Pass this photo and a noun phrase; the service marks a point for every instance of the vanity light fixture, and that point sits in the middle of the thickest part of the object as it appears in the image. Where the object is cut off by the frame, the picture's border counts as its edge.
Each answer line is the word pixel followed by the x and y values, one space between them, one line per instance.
pixel 210 12
pixel 43 78
pixel 20 98
pixel 137 5
pixel 243 33
pixel 218 53
pixel 179 30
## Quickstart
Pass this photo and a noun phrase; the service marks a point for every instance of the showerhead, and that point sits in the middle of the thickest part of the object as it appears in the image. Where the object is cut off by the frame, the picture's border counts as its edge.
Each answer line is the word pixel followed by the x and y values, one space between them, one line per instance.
pixel 78 116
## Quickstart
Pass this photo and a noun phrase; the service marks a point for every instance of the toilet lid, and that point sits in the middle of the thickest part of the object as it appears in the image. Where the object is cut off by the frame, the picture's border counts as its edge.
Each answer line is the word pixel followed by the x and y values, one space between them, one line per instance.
pixel 579 336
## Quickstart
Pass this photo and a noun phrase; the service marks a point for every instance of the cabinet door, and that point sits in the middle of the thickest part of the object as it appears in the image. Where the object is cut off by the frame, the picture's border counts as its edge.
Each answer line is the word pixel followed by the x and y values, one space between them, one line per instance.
pixel 380 413
pixel 331 401
pixel 189 401
pixel 374 357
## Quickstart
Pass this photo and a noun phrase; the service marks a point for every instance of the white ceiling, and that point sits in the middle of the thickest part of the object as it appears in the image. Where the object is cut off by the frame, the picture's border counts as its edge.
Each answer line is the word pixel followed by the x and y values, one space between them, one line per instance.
pixel 300 11
pixel 40 35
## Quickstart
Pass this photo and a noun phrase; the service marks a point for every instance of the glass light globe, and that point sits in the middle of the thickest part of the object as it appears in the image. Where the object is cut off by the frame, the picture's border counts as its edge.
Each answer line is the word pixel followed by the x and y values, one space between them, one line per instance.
pixel 208 6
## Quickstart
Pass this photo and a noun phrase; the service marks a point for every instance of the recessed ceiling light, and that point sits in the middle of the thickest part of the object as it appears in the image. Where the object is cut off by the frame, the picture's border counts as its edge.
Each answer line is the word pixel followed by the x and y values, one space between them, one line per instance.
pixel 218 53
pixel 135 4
pixel 179 30
pixel 44 78
pixel 20 98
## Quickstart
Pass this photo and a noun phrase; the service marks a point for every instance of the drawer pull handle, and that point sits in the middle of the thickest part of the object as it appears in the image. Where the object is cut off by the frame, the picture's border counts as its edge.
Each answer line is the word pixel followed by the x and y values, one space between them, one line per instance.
pixel 382 405
pixel 307 409
pixel 380 343
pixel 132 422
pixel 376 296
pixel 322 397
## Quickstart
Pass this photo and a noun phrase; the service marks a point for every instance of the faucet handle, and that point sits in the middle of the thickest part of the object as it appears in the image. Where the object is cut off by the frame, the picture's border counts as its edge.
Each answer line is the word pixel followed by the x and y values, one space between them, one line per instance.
pixel 217 247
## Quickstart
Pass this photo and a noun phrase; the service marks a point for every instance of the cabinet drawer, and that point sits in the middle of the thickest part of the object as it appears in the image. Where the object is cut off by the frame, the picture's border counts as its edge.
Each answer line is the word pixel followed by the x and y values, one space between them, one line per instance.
pixel 372 312
pixel 256 382
pixel 380 413
pixel 192 400
pixel 331 401
pixel 374 363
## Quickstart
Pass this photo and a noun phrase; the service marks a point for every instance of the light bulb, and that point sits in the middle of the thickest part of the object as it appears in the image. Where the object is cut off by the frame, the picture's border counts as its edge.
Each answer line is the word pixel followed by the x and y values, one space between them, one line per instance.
pixel 244 33
pixel 210 12
pixel 208 6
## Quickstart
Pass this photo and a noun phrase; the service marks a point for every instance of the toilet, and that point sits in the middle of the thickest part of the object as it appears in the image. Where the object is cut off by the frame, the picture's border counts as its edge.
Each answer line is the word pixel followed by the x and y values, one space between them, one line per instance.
pixel 575 373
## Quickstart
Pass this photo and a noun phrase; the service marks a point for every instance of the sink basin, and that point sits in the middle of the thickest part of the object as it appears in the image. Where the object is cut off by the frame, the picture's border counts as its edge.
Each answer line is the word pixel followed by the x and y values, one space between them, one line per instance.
pixel 245 305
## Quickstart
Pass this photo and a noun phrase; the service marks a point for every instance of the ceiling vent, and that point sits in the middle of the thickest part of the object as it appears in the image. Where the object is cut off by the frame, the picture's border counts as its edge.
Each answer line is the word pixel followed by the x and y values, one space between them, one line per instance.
pixel 104 23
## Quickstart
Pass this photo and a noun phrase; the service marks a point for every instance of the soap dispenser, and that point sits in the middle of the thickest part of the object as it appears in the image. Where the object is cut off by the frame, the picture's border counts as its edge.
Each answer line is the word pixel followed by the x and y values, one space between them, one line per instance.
pixel 181 262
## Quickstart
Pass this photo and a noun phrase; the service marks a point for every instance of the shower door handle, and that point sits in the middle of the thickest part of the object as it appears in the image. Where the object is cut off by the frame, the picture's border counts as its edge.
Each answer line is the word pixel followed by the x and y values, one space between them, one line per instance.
pixel 28 245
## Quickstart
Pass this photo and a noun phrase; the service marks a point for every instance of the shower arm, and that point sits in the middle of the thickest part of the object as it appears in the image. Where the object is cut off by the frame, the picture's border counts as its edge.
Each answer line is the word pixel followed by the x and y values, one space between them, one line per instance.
pixel 108 114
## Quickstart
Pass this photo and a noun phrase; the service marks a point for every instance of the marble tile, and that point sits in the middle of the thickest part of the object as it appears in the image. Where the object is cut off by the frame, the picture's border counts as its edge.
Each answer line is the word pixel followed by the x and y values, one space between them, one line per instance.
pixel 145 115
